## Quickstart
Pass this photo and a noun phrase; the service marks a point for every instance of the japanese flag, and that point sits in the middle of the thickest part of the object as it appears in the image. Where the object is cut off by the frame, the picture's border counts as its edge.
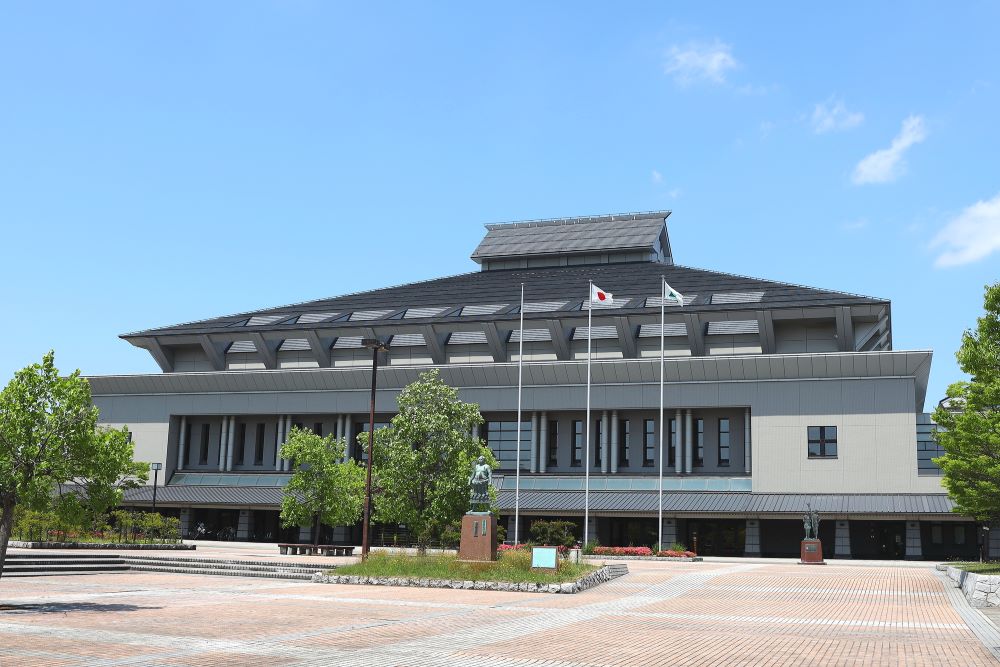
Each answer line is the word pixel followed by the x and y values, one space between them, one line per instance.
pixel 597 295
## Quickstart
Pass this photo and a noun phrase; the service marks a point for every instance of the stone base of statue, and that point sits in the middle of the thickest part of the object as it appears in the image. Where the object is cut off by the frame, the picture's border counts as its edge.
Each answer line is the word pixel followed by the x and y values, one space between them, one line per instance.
pixel 811 552
pixel 479 537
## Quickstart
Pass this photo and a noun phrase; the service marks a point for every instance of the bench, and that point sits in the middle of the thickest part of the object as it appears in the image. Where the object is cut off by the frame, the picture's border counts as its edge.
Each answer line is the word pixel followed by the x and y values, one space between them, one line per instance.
pixel 313 549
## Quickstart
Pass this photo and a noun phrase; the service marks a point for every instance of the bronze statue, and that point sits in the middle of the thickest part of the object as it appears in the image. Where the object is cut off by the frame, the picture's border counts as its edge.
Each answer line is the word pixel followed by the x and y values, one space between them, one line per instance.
pixel 479 481
pixel 810 522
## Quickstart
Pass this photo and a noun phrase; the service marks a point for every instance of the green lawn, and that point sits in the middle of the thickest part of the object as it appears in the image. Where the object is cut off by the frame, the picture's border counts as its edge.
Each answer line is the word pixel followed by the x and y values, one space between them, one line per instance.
pixel 979 568
pixel 513 566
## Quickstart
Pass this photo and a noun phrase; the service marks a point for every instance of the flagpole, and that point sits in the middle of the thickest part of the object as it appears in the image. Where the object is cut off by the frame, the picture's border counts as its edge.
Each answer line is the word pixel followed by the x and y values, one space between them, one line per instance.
pixel 586 483
pixel 517 470
pixel 659 521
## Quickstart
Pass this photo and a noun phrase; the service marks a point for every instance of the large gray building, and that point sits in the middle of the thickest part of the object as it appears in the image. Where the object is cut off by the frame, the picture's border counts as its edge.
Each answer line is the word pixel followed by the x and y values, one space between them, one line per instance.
pixel 777 396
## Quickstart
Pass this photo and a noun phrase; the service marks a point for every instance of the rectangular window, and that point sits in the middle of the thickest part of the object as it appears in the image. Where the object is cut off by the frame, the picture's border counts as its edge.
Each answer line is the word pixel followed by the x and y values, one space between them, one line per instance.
pixel 501 438
pixel 623 443
pixel 699 441
pixel 723 441
pixel 648 441
pixel 597 444
pixel 959 534
pixel 822 442
pixel 937 536
pixel 318 429
pixel 241 444
pixel 672 445
pixel 553 443
pixel 203 453
pixel 258 446
pixel 577 442
pixel 188 446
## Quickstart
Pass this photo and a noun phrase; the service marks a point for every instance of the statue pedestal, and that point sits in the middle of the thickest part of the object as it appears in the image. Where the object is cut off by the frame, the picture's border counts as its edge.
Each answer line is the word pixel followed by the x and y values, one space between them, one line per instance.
pixel 479 537
pixel 811 552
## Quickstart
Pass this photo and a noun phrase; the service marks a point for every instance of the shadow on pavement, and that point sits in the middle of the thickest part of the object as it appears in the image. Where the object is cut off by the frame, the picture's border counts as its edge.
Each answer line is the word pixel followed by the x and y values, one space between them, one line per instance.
pixel 67 607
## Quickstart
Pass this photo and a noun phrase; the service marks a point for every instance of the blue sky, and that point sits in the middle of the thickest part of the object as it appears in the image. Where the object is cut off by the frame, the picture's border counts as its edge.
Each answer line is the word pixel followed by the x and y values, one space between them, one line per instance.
pixel 163 162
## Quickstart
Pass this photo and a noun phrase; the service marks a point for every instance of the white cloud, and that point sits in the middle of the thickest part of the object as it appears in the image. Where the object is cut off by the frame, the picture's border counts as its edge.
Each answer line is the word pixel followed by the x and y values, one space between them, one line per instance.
pixel 698 61
pixel 970 236
pixel 833 115
pixel 855 225
pixel 656 177
pixel 887 164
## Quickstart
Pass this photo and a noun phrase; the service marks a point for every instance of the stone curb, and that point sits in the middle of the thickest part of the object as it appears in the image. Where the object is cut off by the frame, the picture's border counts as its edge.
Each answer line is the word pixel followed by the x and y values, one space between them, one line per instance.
pixel 981 590
pixel 676 559
pixel 17 544
pixel 599 576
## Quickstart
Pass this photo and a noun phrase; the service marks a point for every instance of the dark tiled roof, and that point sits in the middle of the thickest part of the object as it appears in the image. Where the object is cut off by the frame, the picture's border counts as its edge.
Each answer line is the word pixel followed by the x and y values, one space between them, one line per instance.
pixel 728 502
pixel 207 495
pixel 572 235
pixel 633 281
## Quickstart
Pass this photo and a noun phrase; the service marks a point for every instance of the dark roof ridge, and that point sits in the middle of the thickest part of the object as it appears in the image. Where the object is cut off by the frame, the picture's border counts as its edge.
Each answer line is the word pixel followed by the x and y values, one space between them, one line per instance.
pixel 577 220
pixel 779 282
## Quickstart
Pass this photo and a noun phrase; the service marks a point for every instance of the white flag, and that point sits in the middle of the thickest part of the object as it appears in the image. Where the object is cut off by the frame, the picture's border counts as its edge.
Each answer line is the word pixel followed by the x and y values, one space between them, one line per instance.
pixel 670 294
pixel 597 295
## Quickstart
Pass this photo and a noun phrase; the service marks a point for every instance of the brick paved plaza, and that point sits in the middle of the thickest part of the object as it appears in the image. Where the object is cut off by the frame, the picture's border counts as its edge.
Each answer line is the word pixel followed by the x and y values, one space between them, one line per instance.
pixel 711 614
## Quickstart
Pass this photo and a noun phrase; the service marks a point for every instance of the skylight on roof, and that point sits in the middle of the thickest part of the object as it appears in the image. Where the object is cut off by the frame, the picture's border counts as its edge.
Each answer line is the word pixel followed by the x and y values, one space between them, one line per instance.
pixel 733 327
pixel 737 297
pixel 654 301
pixel 580 333
pixel 530 335
pixel 369 315
pixel 485 309
pixel 407 340
pixel 669 329
pixel 241 346
pixel 423 312
pixel 294 345
pixel 347 343
pixel 312 318
pixel 261 320
pixel 467 337
pixel 543 306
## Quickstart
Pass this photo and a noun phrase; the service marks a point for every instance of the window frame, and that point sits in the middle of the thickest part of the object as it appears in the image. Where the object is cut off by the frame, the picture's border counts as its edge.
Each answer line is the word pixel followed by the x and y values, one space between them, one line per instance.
pixel 577 441
pixel 206 433
pixel 623 442
pixel 823 442
pixel 648 443
pixel 724 462
pixel 258 445
pixel 699 443
pixel 553 444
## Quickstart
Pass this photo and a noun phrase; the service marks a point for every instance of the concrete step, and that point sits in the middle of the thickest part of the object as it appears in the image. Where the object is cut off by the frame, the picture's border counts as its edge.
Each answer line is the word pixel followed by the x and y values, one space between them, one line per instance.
pixel 273 574
pixel 216 565
pixel 28 568
pixel 317 564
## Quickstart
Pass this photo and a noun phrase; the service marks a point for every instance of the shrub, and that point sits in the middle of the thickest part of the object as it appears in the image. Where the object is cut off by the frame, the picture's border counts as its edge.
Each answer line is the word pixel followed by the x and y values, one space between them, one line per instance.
pixel 677 553
pixel 588 548
pixel 622 551
pixel 553 533
pixel 678 546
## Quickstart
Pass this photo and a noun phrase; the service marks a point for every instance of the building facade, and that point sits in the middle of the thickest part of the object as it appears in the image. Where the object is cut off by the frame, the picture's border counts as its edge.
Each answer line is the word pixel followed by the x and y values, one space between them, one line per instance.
pixel 777 397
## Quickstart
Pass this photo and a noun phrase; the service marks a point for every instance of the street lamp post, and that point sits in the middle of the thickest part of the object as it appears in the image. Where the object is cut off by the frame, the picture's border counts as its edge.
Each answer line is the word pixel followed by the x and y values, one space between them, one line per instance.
pixel 376 346
pixel 155 467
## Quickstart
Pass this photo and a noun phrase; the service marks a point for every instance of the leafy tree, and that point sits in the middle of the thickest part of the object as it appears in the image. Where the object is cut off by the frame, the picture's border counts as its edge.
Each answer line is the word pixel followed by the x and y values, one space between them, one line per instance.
pixel 45 420
pixel 554 533
pixel 423 459
pixel 322 489
pixel 104 469
pixel 970 419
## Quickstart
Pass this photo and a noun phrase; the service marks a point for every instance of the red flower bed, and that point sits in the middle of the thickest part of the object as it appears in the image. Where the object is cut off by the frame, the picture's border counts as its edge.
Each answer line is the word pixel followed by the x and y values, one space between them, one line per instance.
pixel 623 551
pixel 670 553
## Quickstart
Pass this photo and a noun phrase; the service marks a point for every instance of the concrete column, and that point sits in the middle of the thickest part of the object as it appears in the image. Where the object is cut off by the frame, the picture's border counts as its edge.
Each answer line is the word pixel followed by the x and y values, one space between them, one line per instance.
pixel 182 444
pixel 534 442
pixel 278 441
pixel 348 435
pixel 752 545
pixel 688 443
pixel 475 431
pixel 604 443
pixel 285 463
pixel 669 532
pixel 615 445
pixel 678 439
pixel 243 527
pixel 842 540
pixel 913 550
pixel 746 440
pixel 223 442
pixel 231 447
pixel 992 541
pixel 543 448
pixel 185 521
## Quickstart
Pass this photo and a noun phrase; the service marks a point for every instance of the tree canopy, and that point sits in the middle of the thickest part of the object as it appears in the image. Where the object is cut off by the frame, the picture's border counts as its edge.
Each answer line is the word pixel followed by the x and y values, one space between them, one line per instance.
pixel 969 419
pixel 46 425
pixel 423 459
pixel 324 488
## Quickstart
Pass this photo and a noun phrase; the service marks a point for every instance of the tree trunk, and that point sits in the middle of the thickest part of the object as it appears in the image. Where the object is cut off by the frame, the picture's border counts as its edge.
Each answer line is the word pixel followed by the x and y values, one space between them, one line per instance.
pixel 316 531
pixel 6 525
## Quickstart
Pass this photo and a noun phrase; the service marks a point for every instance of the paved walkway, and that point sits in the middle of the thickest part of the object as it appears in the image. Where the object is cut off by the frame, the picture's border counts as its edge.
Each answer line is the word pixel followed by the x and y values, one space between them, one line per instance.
pixel 712 614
